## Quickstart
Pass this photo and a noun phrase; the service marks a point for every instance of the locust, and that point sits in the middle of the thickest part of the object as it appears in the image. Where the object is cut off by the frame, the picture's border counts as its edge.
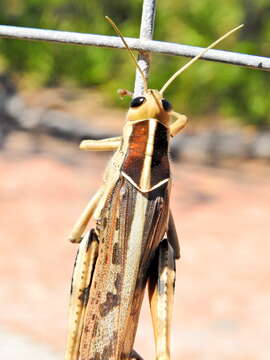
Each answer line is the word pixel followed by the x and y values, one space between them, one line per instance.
pixel 134 243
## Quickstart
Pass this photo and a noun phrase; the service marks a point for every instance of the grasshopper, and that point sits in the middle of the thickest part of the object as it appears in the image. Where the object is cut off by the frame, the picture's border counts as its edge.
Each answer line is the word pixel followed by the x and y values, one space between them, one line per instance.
pixel 134 242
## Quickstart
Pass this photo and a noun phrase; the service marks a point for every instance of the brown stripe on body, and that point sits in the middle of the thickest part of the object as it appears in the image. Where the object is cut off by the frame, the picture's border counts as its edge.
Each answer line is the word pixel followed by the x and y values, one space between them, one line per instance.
pixel 134 160
pixel 160 168
pixel 146 162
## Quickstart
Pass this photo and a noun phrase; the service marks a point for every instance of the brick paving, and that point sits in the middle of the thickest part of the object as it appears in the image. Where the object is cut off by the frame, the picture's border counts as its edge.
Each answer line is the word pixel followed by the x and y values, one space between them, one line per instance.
pixel 223 282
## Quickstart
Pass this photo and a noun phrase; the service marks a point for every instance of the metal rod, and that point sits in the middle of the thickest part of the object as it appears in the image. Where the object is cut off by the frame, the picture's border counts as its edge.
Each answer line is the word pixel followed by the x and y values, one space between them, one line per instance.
pixel 146 33
pixel 252 61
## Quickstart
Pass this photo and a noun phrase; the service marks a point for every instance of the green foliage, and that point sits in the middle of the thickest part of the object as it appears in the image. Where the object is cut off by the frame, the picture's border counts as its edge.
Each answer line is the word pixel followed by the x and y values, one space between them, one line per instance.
pixel 205 88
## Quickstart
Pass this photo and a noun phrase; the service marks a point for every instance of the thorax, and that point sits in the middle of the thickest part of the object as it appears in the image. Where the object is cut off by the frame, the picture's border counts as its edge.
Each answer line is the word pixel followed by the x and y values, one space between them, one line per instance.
pixel 146 163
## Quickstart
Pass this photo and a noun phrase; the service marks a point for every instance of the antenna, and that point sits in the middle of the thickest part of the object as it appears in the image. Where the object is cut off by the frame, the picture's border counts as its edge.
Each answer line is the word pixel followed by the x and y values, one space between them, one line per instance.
pixel 188 64
pixel 130 52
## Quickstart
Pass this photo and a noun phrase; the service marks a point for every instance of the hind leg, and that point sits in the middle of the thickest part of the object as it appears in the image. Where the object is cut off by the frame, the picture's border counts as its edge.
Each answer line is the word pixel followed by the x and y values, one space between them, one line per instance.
pixel 161 292
pixel 172 237
pixel 80 286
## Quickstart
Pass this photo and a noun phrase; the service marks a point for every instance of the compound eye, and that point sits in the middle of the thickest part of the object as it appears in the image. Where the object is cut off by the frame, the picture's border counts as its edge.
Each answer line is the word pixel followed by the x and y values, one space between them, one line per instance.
pixel 167 106
pixel 137 101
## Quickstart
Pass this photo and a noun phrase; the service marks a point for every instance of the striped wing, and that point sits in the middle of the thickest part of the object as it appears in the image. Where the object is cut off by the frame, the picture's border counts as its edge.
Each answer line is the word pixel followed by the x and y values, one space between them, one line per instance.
pixel 130 228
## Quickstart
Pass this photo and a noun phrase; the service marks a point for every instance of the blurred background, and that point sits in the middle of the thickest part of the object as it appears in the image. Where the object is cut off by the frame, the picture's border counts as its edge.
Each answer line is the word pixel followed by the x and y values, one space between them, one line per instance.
pixel 52 96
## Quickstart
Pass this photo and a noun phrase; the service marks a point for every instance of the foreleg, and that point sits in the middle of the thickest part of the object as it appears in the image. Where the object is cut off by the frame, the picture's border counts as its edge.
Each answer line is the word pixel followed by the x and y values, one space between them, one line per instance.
pixel 178 124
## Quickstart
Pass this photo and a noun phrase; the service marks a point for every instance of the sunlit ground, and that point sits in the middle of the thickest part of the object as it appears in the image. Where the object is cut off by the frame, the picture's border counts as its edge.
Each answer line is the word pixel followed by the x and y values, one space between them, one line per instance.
pixel 223 281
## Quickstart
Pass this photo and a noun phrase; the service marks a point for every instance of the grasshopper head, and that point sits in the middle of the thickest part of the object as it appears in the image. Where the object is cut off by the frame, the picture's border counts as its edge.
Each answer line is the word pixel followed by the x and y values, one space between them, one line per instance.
pixel 151 105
